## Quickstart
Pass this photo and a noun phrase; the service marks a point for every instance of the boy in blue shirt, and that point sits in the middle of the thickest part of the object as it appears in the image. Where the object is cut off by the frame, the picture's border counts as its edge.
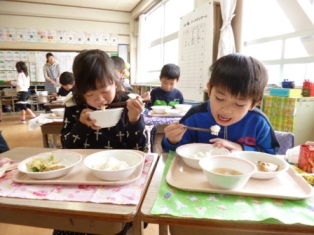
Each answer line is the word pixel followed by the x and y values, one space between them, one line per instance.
pixel 167 94
pixel 235 88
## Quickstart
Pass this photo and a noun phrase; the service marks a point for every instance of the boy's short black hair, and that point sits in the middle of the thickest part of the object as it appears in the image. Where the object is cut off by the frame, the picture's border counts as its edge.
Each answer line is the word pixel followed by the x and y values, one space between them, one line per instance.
pixel 241 75
pixel 170 71
pixel 118 63
pixel 66 78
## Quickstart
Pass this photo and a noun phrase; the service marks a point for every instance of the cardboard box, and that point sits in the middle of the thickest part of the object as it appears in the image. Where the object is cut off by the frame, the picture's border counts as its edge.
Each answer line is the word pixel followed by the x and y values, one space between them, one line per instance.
pixel 285 92
pixel 306 158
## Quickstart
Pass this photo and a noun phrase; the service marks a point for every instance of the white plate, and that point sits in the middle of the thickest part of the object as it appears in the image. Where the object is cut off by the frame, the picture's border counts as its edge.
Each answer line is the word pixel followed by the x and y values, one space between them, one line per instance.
pixel 264 157
pixel 67 159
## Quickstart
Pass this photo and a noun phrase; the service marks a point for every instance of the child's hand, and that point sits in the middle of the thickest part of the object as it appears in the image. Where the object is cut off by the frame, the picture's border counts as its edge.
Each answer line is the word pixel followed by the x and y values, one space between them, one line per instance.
pixel 85 119
pixel 54 95
pixel 146 95
pixel 135 107
pixel 174 132
pixel 231 146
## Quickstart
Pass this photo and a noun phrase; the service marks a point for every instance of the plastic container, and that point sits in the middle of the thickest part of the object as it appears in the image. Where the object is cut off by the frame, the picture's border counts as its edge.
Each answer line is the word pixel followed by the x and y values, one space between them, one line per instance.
pixel 308 88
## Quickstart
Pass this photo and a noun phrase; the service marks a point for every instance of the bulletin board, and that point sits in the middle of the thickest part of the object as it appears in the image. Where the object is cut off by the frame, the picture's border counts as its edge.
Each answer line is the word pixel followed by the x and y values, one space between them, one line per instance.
pixel 34 60
pixel 195 51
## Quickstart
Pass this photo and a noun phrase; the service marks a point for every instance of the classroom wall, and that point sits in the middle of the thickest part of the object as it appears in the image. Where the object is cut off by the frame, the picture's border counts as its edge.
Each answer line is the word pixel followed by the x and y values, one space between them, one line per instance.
pixel 39 16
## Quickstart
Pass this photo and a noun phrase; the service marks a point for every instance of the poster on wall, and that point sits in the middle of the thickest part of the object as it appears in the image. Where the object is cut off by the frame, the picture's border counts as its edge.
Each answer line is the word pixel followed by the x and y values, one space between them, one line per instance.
pixel 32 35
pixel 10 34
pixel 21 35
pixel 51 36
pixel 195 51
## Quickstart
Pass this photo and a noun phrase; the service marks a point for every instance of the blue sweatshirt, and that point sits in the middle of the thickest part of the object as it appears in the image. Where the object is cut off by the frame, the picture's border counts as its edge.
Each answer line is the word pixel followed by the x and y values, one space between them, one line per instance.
pixel 253 131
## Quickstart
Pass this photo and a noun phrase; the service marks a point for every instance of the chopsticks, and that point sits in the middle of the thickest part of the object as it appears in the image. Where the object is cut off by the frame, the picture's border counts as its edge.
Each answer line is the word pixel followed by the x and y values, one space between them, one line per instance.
pixel 124 103
pixel 197 129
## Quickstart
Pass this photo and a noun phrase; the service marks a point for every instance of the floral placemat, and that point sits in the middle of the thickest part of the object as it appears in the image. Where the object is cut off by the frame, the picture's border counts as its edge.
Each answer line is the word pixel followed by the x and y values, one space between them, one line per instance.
pixel 175 202
pixel 127 194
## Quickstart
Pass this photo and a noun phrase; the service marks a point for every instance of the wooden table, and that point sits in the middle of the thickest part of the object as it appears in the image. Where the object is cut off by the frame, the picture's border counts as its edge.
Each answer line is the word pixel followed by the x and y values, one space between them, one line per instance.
pixel 85 217
pixel 54 105
pixel 191 226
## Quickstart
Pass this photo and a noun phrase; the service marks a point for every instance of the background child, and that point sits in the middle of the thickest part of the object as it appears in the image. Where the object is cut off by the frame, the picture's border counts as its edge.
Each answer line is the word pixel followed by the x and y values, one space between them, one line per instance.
pixel 167 94
pixel 119 64
pixel 22 84
pixel 67 85
pixel 235 88
pixel 96 85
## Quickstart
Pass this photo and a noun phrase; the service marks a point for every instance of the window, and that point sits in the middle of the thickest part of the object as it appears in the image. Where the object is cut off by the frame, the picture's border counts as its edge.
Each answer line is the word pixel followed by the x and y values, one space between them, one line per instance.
pixel 162 28
pixel 280 34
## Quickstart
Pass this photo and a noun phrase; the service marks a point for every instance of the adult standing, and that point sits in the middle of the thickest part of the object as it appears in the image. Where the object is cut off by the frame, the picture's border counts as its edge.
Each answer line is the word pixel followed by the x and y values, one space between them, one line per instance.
pixel 51 73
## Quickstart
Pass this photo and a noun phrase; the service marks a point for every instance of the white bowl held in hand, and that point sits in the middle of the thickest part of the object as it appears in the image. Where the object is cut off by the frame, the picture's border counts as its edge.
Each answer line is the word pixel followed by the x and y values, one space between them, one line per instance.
pixel 60 98
pixel 114 165
pixel 106 118
pixel 160 108
pixel 192 153
pixel 67 159
pixel 227 172
pixel 255 157
pixel 59 112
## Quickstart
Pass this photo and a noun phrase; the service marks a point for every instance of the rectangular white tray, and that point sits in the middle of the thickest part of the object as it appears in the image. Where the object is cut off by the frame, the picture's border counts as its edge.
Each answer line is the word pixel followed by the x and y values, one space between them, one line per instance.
pixel 78 175
pixel 153 114
pixel 287 185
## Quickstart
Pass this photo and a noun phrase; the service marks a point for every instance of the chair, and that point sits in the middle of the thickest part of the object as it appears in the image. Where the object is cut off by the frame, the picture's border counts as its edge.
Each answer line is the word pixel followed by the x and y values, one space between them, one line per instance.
pixel 286 141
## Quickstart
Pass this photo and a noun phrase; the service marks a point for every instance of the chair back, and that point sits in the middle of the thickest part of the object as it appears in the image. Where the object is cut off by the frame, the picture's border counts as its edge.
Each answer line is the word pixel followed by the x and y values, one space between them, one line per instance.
pixel 286 141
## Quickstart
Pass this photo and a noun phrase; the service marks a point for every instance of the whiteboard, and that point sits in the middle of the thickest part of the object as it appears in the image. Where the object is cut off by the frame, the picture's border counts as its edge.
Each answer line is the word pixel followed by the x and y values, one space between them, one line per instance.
pixel 64 59
pixel 195 51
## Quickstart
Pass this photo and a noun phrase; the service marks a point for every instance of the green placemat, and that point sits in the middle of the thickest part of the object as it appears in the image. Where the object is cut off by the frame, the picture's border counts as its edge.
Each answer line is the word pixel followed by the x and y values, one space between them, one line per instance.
pixel 175 202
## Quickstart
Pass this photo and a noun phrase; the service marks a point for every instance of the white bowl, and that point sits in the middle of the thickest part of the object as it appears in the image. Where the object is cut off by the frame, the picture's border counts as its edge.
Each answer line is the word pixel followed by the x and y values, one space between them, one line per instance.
pixel 183 107
pixel 61 98
pixel 173 112
pixel 59 112
pixel 67 159
pixel 229 164
pixel 191 153
pixel 260 156
pixel 106 118
pixel 96 162
pixel 160 108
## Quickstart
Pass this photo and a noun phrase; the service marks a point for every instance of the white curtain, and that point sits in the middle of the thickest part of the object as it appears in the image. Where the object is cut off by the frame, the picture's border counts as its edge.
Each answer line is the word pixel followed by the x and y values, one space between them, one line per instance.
pixel 141 50
pixel 226 41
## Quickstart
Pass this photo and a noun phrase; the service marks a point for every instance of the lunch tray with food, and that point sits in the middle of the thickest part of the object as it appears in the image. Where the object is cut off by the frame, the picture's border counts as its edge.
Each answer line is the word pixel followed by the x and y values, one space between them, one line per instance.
pixel 287 185
pixel 80 174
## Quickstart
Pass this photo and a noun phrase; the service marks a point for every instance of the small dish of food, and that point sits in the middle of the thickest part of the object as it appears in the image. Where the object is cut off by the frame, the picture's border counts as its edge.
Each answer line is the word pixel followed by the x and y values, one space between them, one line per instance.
pixel 114 165
pixel 268 166
pixel 160 109
pixel 49 165
pixel 227 172
pixel 192 153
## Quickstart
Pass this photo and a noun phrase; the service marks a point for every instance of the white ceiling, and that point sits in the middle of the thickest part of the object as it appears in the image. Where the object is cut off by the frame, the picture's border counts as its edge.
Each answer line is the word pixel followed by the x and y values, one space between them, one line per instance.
pixel 114 5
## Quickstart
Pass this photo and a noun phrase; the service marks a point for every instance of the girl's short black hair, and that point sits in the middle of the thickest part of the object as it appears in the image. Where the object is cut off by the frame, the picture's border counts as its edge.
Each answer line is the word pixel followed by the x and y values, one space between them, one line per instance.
pixel 170 71
pixel 241 75
pixel 21 67
pixel 90 67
